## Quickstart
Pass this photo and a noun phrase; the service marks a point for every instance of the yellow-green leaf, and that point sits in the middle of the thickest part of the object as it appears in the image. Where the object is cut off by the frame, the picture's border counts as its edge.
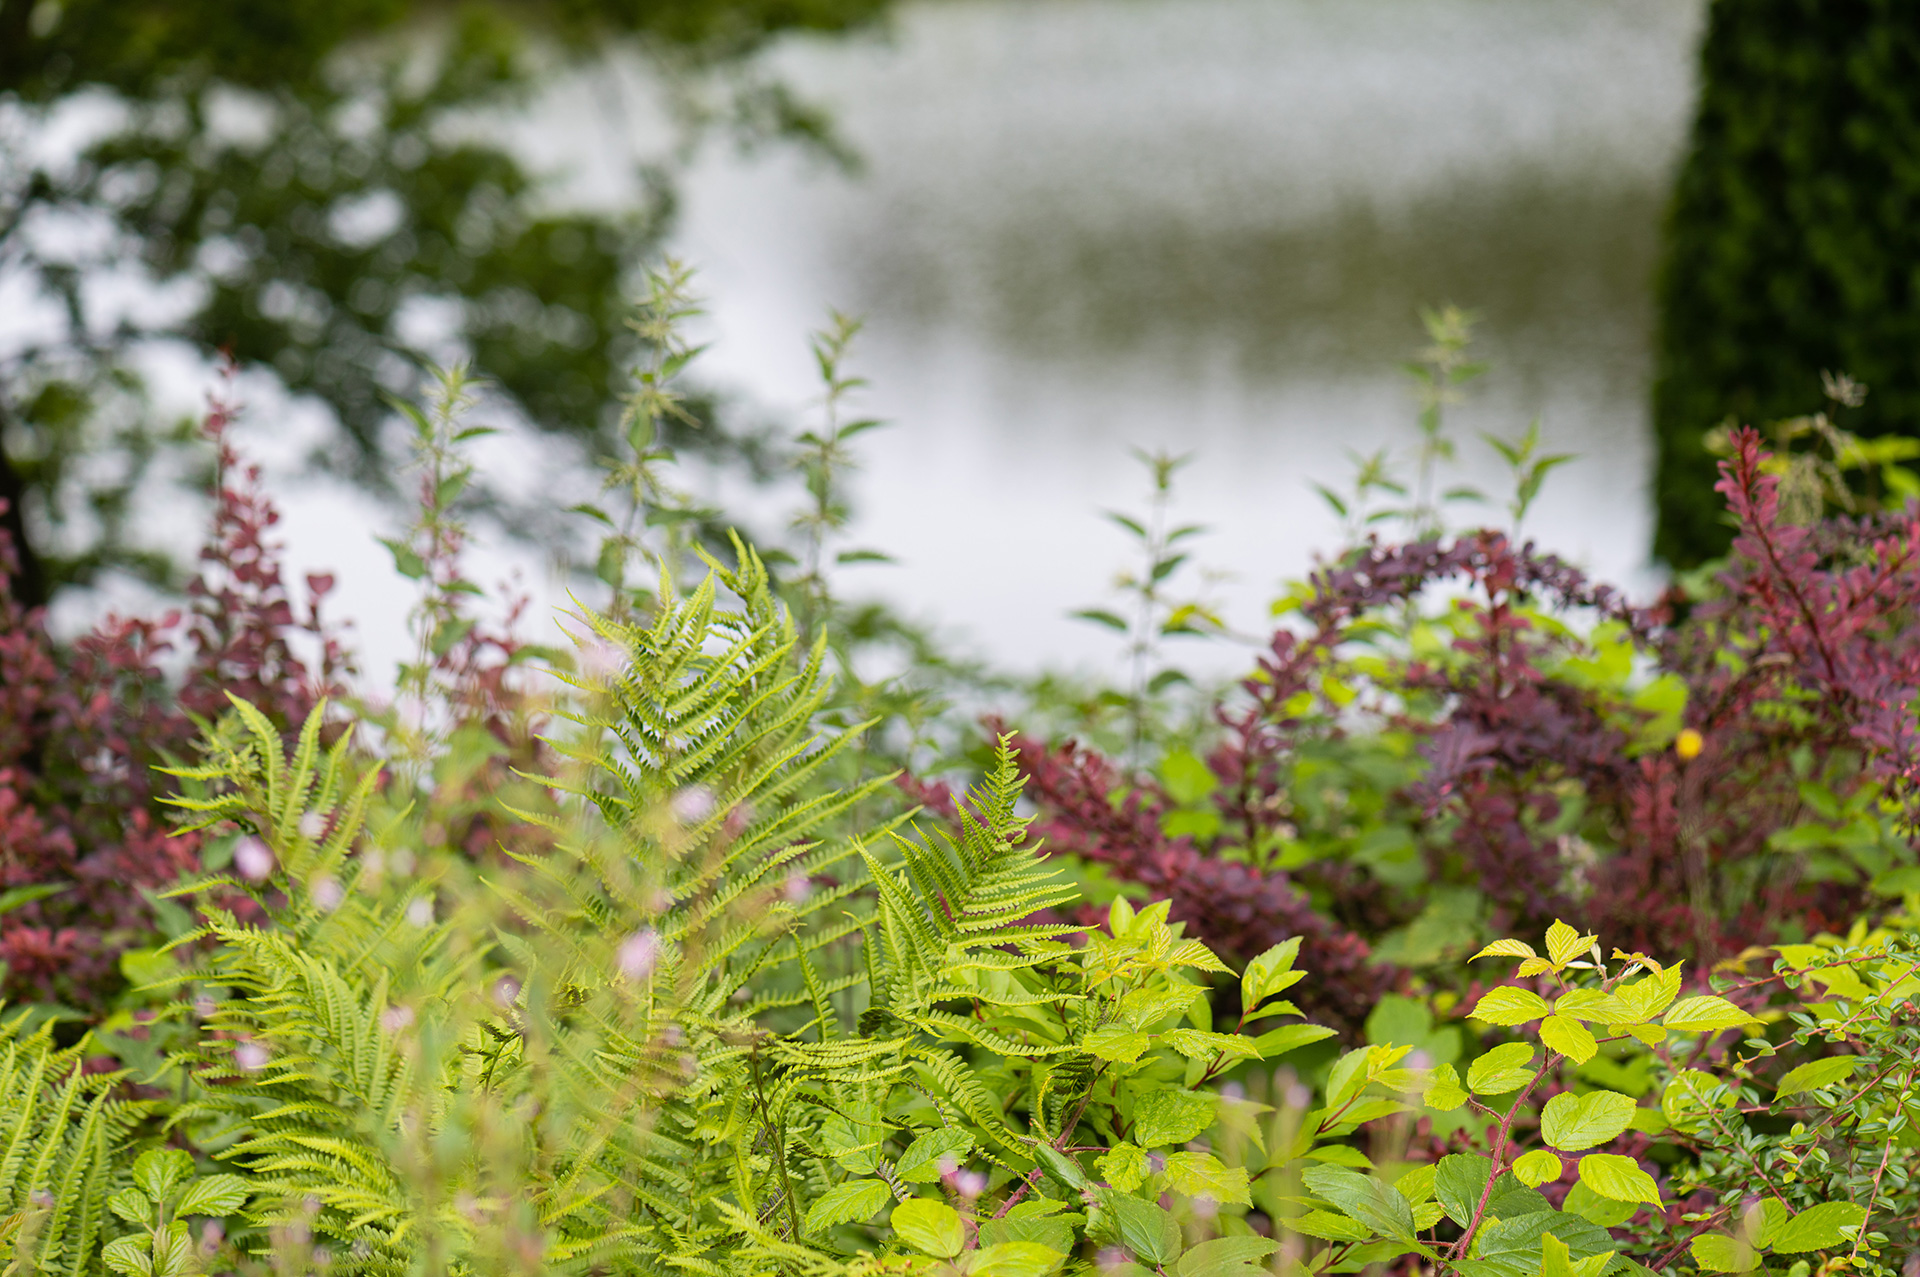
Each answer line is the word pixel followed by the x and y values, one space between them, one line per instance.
pixel 1592 1006
pixel 1270 973
pixel 1573 1122
pixel 1015 1259
pixel 1508 1005
pixel 1564 944
pixel 1197 1044
pixel 1444 1091
pixel 1117 1042
pixel 1704 1014
pixel 1507 1067
pixel 1504 949
pixel 1171 1117
pixel 1818 1227
pixel 920 1164
pixel 1278 1042
pixel 1618 1178
pixel 1811 1077
pixel 1718 1253
pixel 930 1226
pixel 1536 1168
pixel 1125 1166
pixel 1329 1227
pixel 1204 1175
pixel 1569 1037
pixel 1649 995
pixel 857 1199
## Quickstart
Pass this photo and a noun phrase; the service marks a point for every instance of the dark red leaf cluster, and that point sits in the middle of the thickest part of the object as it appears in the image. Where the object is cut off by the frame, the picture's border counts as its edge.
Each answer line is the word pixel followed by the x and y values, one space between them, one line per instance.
pixel 1537 788
pixel 83 727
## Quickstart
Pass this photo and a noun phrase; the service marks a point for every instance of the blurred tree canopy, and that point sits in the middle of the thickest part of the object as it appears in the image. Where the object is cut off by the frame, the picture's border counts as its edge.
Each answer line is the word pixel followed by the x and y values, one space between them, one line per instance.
pixel 298 183
pixel 1794 240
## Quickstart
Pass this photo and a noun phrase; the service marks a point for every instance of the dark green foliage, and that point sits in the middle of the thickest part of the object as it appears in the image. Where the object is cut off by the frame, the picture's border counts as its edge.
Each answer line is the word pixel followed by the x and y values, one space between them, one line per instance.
pixel 1794 243
pixel 305 234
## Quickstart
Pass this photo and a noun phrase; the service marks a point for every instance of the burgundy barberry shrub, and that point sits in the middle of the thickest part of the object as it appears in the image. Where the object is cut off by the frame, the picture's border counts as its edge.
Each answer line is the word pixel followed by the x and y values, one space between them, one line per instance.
pixel 1699 776
pixel 83 727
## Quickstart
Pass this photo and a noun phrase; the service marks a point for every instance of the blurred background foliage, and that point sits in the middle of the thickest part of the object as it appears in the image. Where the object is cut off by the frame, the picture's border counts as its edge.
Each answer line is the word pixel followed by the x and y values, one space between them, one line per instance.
pixel 1793 241
pixel 307 187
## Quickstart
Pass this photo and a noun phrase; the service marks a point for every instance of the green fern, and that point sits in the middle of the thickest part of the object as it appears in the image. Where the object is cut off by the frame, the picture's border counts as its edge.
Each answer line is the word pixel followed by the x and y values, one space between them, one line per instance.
pixel 60 1133
pixel 709 1020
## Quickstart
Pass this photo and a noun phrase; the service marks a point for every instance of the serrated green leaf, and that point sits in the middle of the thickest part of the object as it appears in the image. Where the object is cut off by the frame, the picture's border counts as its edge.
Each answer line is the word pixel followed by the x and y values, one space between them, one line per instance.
pixel 1171 1117
pixel 1569 1037
pixel 1226 1257
pixel 1329 1227
pixel 1117 1042
pixel 1378 1205
pixel 1704 1014
pixel 920 1164
pixel 1536 1168
pixel 1125 1166
pixel 1444 1091
pixel 1278 1042
pixel 213 1195
pixel 1573 1122
pixel 1509 1006
pixel 1458 1181
pixel 1204 1175
pixel 1618 1178
pixel 1505 1068
pixel 1818 1227
pixel 158 1170
pixel 1151 1233
pixel 931 1227
pixel 1811 1077
pixel 847 1203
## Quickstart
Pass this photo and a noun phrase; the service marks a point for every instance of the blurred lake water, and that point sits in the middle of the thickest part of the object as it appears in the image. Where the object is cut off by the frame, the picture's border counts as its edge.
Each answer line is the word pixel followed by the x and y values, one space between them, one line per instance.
pixel 1088 226
pixel 1085 226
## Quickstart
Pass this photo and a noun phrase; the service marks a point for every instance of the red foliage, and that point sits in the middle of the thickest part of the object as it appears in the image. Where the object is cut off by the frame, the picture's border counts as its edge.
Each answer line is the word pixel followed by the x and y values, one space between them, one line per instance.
pixel 1805 664
pixel 82 729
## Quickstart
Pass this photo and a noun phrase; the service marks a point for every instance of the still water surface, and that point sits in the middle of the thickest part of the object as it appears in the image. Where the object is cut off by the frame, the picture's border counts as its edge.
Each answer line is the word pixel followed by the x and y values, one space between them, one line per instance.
pixel 1085 226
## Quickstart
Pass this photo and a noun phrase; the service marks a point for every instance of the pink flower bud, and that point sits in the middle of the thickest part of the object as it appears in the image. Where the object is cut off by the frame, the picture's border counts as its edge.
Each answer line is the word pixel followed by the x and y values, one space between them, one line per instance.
pixel 638 955
pixel 252 859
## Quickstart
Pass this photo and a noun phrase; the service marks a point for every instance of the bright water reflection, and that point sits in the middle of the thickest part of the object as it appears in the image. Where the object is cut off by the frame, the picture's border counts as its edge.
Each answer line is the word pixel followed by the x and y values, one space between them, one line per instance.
pixel 1204 225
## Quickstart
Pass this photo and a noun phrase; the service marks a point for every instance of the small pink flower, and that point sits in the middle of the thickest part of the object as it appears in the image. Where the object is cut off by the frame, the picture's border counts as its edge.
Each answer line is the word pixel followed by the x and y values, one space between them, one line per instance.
pixel 693 804
pixel 420 911
pixel 312 825
pixel 506 990
pixel 252 859
pixel 639 954
pixel 970 1183
pixel 328 894
pixel 799 887
pixel 251 1056
pixel 396 1018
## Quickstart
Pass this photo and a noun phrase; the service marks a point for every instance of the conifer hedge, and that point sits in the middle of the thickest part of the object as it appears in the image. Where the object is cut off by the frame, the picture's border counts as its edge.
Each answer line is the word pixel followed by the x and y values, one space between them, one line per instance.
pixel 1794 239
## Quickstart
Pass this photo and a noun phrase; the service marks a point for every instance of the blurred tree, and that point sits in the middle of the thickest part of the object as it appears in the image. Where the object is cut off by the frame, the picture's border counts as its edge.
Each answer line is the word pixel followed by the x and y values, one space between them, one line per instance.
pixel 1794 240
pixel 310 185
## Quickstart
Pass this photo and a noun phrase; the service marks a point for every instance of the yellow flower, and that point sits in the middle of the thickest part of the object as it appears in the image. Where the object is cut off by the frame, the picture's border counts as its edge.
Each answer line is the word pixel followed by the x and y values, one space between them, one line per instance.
pixel 1688 743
